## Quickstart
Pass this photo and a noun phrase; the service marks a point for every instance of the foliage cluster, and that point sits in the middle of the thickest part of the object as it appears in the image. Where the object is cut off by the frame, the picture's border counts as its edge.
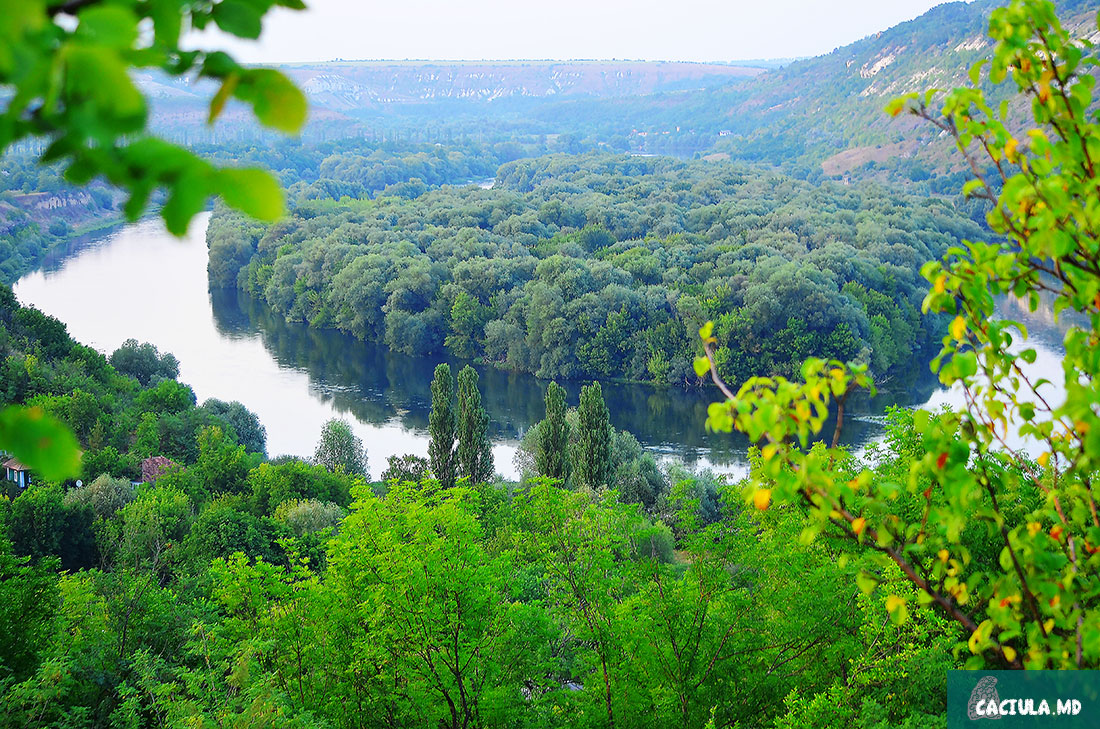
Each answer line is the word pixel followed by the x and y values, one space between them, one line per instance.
pixel 1002 542
pixel 602 266
pixel 460 607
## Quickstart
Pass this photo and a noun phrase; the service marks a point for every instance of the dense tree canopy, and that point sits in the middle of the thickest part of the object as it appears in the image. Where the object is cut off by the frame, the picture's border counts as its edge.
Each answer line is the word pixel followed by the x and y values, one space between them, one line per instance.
pixel 144 363
pixel 602 589
pixel 603 266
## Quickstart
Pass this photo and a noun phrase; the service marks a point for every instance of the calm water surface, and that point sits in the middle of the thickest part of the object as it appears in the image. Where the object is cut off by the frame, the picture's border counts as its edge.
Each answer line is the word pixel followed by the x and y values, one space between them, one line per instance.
pixel 140 282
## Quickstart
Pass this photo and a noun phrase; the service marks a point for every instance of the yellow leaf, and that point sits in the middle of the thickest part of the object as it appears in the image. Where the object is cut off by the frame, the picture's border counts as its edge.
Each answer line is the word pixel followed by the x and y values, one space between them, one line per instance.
pixel 762 499
pixel 1034 528
pixel 1010 149
pixel 1009 652
pixel 958 328
pixel 941 284
pixel 893 602
pixel 229 84
pixel 858 525
pixel 943 555
pixel 1043 459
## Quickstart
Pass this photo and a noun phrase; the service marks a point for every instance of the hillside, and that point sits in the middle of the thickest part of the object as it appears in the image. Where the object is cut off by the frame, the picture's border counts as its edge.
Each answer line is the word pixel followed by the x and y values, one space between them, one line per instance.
pixel 821 115
pixel 824 114
pixel 343 92
pixel 40 213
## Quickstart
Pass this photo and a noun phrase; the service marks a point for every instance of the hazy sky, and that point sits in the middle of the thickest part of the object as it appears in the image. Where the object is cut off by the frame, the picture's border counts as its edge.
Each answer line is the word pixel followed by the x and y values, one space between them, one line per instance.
pixel 689 30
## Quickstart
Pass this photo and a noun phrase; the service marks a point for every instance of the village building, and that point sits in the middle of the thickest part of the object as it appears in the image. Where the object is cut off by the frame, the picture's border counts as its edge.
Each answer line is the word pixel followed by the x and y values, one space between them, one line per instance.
pixel 16 472
pixel 154 467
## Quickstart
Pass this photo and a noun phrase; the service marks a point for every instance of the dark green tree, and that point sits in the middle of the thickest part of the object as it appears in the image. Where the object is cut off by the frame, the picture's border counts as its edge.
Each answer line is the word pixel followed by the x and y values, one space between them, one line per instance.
pixel 250 431
pixel 552 448
pixel 144 362
pixel 441 427
pixel 475 452
pixel 339 449
pixel 28 602
pixel 43 525
pixel 593 456
pixel 408 467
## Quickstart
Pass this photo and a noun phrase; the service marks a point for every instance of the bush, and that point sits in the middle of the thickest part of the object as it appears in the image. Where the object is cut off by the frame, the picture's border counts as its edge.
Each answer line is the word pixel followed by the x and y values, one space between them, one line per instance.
pixel 105 496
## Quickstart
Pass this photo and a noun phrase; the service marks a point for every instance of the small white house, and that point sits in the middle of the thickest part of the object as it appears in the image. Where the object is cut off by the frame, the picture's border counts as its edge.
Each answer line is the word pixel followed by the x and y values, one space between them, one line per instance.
pixel 17 472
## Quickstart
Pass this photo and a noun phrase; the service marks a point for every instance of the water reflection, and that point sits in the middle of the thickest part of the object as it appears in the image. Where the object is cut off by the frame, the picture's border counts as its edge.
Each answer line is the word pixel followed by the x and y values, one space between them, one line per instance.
pixel 376 386
pixel 141 282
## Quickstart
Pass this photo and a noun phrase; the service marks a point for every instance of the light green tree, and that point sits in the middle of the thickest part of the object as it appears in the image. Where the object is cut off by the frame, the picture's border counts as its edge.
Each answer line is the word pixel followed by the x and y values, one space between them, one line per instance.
pixel 340 450
pixel 1005 546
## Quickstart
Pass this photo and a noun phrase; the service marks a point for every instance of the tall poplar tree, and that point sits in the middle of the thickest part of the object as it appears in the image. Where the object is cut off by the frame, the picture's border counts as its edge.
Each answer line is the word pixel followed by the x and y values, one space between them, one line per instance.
pixel 441 427
pixel 475 452
pixel 593 439
pixel 552 449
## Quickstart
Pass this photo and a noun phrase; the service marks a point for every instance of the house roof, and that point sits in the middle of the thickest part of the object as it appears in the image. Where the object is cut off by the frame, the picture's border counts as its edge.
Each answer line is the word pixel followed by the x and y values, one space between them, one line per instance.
pixel 15 465
pixel 153 467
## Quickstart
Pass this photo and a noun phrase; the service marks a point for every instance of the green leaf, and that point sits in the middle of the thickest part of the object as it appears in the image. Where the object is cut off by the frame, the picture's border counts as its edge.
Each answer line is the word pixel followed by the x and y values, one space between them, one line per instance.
pixel 40 441
pixel 971 187
pixel 252 191
pixel 866 583
pixel 100 75
pixel 894 107
pixel 219 65
pixel 276 101
pixel 157 156
pixel 109 25
pixel 238 17
pixel 189 195
pixel 139 197
pixel 976 71
pixel 966 364
pixel 702 366
pixel 167 21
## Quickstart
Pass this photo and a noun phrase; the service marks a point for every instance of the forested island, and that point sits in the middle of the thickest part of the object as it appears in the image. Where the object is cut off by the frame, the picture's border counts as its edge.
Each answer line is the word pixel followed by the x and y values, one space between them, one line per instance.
pixel 603 266
pixel 721 227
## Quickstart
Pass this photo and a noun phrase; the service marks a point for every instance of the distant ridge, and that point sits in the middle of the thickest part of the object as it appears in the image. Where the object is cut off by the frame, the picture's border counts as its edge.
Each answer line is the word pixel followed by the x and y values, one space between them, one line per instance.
pixel 814 116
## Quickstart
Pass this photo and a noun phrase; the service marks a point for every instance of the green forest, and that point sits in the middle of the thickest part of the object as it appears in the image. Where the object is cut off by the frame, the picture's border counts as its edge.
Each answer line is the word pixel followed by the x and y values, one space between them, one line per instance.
pixel 603 266
pixel 164 569
pixel 235 589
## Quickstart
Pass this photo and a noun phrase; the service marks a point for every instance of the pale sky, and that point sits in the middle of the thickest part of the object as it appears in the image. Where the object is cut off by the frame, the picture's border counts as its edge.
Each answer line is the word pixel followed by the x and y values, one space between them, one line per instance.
pixel 671 30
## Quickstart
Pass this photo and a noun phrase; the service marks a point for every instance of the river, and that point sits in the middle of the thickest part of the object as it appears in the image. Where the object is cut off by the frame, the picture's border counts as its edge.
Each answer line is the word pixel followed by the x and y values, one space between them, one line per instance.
pixel 140 282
